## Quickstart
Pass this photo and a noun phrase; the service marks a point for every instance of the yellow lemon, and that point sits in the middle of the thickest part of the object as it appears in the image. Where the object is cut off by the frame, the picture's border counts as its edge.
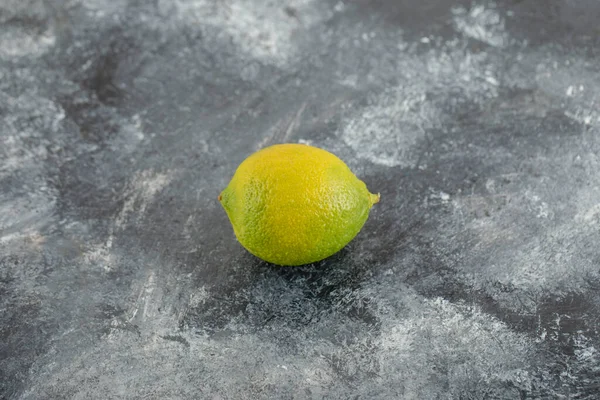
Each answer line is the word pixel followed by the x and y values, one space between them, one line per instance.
pixel 292 204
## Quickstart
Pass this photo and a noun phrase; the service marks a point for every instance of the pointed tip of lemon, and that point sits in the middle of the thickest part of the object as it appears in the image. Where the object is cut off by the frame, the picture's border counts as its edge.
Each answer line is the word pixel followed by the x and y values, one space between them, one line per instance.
pixel 375 198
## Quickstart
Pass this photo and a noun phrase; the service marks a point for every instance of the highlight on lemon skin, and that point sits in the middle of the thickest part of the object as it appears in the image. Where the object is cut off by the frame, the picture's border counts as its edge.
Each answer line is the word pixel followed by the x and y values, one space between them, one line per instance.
pixel 293 204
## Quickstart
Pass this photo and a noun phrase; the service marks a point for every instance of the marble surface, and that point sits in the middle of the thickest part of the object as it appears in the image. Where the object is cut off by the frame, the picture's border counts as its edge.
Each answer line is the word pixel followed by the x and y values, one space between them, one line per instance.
pixel 476 277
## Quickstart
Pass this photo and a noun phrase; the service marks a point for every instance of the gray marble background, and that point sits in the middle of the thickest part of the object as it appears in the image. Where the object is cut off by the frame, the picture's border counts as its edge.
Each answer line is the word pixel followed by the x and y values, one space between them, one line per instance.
pixel 476 277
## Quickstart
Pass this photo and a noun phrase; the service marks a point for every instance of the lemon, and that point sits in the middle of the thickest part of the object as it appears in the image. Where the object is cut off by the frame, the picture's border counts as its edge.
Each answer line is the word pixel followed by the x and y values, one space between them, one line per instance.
pixel 293 204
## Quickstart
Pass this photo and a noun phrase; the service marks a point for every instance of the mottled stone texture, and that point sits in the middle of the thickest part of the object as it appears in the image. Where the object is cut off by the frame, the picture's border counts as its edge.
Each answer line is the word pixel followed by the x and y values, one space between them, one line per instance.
pixel 476 277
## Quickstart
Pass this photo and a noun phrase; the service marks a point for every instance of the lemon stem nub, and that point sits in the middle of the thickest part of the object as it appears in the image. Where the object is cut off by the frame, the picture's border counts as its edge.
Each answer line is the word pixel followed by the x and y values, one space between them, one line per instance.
pixel 375 198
